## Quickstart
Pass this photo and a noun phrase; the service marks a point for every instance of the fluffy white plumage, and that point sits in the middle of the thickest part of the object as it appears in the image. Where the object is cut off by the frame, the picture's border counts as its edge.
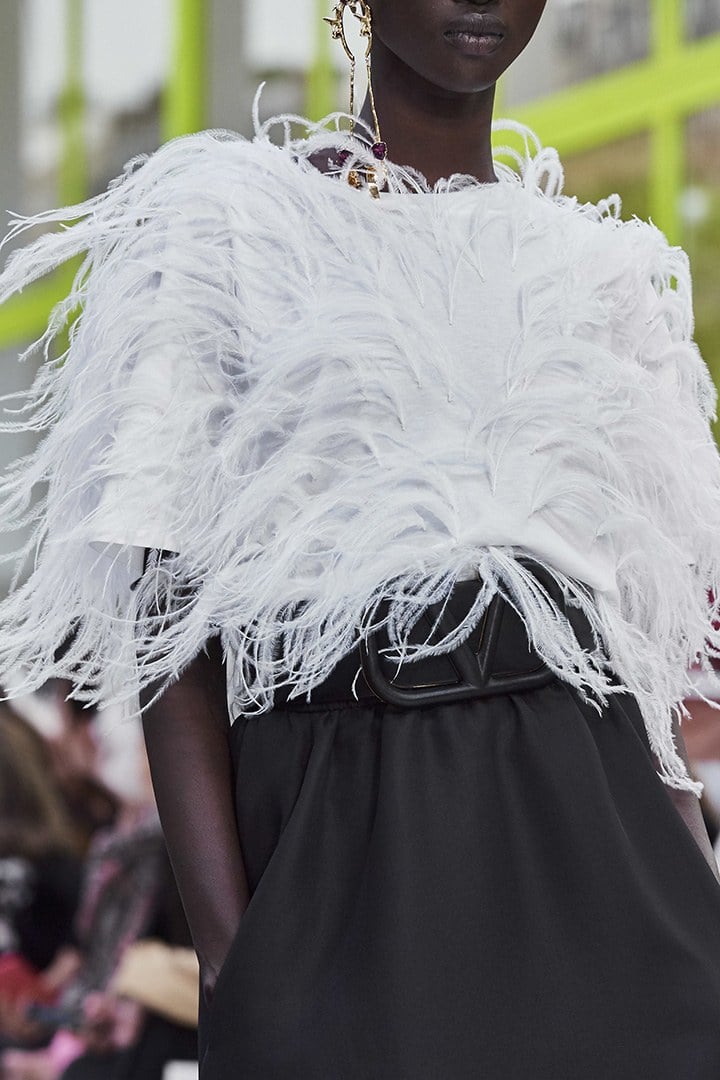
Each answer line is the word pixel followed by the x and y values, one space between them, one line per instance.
pixel 319 401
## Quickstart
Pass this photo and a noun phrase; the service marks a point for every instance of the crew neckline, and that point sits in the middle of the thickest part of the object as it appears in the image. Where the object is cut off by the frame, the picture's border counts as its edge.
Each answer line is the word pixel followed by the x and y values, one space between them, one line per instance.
pixel 479 185
pixel 420 196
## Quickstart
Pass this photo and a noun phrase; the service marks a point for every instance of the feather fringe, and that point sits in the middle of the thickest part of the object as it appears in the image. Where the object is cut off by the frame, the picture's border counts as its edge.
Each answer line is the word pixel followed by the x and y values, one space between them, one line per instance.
pixel 244 381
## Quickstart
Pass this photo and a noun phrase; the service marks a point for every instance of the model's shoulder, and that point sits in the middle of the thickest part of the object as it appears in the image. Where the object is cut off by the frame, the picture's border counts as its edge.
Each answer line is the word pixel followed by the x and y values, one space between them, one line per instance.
pixel 594 244
pixel 538 171
pixel 625 244
pixel 601 233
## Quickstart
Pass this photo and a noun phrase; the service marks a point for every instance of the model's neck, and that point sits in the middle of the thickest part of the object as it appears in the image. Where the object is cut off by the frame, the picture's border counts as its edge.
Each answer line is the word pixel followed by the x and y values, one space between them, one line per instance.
pixel 438 134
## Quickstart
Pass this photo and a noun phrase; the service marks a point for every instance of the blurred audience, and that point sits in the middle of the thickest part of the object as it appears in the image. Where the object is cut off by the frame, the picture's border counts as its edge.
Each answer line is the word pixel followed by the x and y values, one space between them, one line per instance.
pixel 148 1018
pixel 90 918
pixel 40 876
pixel 75 750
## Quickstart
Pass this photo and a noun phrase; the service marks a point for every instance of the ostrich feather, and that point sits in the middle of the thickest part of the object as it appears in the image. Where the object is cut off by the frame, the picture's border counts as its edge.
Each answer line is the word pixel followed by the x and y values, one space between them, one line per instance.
pixel 316 401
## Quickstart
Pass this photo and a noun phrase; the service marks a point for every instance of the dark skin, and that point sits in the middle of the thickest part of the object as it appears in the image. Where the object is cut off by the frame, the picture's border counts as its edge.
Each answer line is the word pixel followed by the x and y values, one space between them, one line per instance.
pixel 435 103
pixel 193 782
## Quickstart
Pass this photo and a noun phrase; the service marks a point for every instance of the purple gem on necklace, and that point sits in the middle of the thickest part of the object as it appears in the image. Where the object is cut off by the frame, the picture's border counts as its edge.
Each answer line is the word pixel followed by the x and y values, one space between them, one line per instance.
pixel 379 150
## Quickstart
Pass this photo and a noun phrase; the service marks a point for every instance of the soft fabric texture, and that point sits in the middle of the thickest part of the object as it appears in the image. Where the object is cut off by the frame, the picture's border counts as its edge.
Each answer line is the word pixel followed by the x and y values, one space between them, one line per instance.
pixel 315 401
pixel 496 889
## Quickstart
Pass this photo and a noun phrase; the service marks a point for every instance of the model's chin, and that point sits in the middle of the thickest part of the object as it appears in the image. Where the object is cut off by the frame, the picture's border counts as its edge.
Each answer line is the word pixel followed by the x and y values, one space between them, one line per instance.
pixel 469 67
pixel 463 78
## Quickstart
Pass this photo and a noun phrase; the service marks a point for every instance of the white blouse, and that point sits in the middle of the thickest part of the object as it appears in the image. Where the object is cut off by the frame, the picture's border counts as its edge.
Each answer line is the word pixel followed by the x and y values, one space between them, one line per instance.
pixel 317 401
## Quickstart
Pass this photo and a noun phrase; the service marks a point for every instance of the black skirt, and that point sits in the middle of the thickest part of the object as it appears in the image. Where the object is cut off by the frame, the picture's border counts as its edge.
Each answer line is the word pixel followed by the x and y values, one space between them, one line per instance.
pixel 497 889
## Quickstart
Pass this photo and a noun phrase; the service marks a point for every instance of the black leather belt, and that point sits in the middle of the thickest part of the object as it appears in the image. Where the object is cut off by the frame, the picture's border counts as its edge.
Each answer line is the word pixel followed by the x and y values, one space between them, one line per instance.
pixel 496 658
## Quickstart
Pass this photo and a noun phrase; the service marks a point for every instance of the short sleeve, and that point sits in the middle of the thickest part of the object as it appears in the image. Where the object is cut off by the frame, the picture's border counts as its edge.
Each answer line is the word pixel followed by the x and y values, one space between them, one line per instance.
pixel 145 385
pixel 130 417
pixel 685 394
pixel 140 497
pixel 134 507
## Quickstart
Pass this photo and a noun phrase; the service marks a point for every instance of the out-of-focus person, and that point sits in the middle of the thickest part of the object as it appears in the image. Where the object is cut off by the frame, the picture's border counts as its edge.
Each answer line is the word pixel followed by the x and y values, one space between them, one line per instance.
pixel 146 1019
pixel 40 877
pixel 128 894
pixel 75 751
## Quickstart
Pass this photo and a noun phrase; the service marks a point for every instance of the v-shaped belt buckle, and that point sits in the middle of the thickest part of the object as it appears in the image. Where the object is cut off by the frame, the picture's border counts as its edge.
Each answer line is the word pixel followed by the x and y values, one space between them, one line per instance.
pixel 473 664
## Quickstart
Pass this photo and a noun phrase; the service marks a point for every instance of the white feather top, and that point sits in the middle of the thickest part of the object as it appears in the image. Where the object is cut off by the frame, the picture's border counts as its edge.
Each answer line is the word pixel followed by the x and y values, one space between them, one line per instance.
pixel 315 401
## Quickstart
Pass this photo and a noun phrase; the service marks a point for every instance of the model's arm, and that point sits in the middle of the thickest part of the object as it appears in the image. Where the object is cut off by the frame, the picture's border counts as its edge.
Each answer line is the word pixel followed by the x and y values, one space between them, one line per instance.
pixel 187 738
pixel 688 806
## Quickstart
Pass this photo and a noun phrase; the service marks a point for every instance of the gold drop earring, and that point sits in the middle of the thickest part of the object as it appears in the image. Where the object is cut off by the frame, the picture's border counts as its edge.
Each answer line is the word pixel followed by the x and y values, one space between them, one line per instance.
pixel 362 12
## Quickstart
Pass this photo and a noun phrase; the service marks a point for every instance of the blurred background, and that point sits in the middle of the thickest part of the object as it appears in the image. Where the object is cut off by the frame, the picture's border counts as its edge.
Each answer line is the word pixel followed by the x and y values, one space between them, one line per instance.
pixel 629 93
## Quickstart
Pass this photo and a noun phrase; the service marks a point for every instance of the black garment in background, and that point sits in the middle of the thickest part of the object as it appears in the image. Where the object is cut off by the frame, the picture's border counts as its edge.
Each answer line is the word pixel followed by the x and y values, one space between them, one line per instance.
pixel 160 1042
pixel 38 902
pixel 497 889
